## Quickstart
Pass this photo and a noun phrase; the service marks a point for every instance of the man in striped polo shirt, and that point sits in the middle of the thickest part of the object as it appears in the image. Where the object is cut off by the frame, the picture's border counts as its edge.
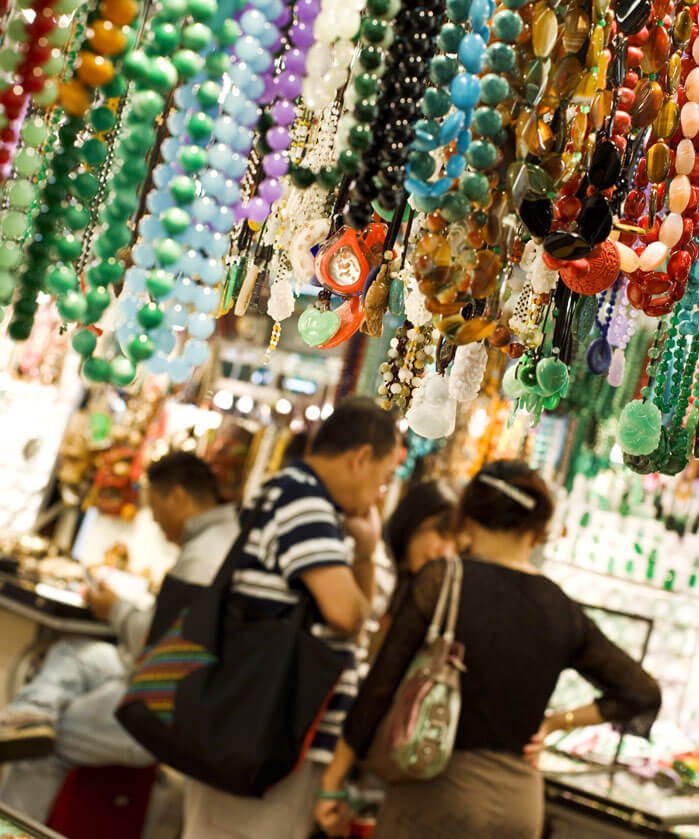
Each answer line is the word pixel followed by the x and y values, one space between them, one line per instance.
pixel 299 543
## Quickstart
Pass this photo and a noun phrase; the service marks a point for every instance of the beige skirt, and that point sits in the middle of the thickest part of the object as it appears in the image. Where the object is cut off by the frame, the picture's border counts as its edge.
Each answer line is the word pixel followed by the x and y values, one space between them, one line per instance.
pixel 482 795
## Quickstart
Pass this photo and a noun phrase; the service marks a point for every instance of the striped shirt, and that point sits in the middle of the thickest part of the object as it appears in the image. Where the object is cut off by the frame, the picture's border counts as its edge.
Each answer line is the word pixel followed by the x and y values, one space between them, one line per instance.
pixel 298 528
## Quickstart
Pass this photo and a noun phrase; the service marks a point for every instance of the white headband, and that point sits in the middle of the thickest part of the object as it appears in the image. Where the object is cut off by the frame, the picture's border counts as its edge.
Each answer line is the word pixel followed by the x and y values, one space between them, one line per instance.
pixel 518 495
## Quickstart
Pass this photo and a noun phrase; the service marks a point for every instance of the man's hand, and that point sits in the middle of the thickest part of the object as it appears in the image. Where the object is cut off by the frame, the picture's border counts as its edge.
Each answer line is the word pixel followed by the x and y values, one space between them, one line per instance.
pixel 101 601
pixel 366 532
pixel 333 817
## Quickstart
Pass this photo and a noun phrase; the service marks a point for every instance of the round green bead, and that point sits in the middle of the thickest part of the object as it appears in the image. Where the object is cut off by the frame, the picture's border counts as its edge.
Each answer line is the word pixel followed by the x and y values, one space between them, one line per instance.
pixel 196 36
pixel 84 342
pixel 116 88
pixel 202 9
pixel 166 36
pixel 435 103
pixel 301 176
pixel 217 63
pixel 374 30
pixel 54 64
pixel 21 194
pixel 366 110
pixel 455 207
pixel 60 36
pixel 27 162
pixel 167 251
pixel 507 25
pixel 141 347
pixel 187 63
pixel 443 69
pixel 172 9
pixel 85 186
pixel 98 298
pixel 122 371
pixel 150 316
pixel 9 59
pixel 458 10
pixel 422 165
pixel 96 369
pixel 475 186
pixel 94 152
pixel 200 126
pixel 366 84
pixel 26 305
pixel 161 74
pixel 426 203
pixel 501 57
pixel 7 288
pixel 208 94
pixel 34 131
pixel 20 328
pixel 91 316
pixel 139 139
pixel 147 104
pixel 159 282
pixel 192 158
pixel 111 270
pixel 378 7
pixel 228 33
pixel 360 137
pixel 16 30
pixel 46 97
pixel 482 154
pixel 175 220
pixel 71 306
pixel 77 217
pixel 371 58
pixel 487 121
pixel 125 204
pixel 69 247
pixel 14 224
pixel 450 37
pixel 514 4
pixel 10 255
pixel 136 65
pixel 328 178
pixel 103 118
pixel 494 89
pixel 183 189
pixel 348 162
pixel 134 168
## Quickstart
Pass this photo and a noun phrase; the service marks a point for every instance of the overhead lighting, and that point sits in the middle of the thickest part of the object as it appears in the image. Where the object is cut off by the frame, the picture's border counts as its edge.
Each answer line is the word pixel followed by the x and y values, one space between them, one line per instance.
pixel 478 423
pixel 327 410
pixel 223 400
pixel 245 404
pixel 283 406
pixel 312 413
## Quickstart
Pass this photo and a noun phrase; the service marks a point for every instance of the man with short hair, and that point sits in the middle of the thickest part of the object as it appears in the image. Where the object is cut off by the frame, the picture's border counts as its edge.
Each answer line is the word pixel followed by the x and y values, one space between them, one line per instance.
pixel 65 716
pixel 298 544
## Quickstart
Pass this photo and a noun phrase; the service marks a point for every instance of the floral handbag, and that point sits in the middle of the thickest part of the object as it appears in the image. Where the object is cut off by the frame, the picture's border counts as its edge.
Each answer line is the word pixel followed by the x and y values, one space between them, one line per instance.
pixel 415 741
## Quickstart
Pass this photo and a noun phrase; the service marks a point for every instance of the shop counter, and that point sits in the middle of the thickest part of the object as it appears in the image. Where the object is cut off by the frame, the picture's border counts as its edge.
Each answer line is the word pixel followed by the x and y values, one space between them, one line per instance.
pixel 15 826
pixel 586 802
pixel 32 617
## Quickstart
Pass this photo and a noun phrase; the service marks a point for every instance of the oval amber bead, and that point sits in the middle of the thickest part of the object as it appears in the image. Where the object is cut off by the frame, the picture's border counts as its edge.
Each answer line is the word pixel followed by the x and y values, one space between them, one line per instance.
pixel 586 89
pixel 655 50
pixel 595 47
pixel 691 85
pixel 566 75
pixel 658 162
pixel 685 155
pixel 682 30
pixel 576 28
pixel 674 72
pixel 578 130
pixel 601 108
pixel 544 30
pixel 665 124
pixel 647 104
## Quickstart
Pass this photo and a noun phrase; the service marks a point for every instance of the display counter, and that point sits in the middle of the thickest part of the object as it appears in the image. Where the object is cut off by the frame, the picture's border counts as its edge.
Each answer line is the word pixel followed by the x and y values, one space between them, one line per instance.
pixel 585 802
pixel 15 826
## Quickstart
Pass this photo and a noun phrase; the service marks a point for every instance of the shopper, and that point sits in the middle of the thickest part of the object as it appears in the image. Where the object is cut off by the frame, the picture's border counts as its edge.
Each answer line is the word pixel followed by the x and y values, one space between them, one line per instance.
pixel 519 631
pixel 418 531
pixel 298 543
pixel 65 716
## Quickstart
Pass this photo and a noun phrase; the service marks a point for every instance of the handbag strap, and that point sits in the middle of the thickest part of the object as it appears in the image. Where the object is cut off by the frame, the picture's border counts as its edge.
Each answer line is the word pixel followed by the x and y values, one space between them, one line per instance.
pixel 450 628
pixel 224 576
pixel 440 609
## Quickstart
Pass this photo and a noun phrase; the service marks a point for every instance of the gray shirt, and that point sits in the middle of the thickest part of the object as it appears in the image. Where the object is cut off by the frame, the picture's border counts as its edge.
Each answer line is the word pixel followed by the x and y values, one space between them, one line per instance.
pixel 207 540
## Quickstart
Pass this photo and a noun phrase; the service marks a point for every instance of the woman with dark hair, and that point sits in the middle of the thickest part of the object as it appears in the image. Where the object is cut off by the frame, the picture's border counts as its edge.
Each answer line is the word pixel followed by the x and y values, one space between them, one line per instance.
pixel 520 631
pixel 418 531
